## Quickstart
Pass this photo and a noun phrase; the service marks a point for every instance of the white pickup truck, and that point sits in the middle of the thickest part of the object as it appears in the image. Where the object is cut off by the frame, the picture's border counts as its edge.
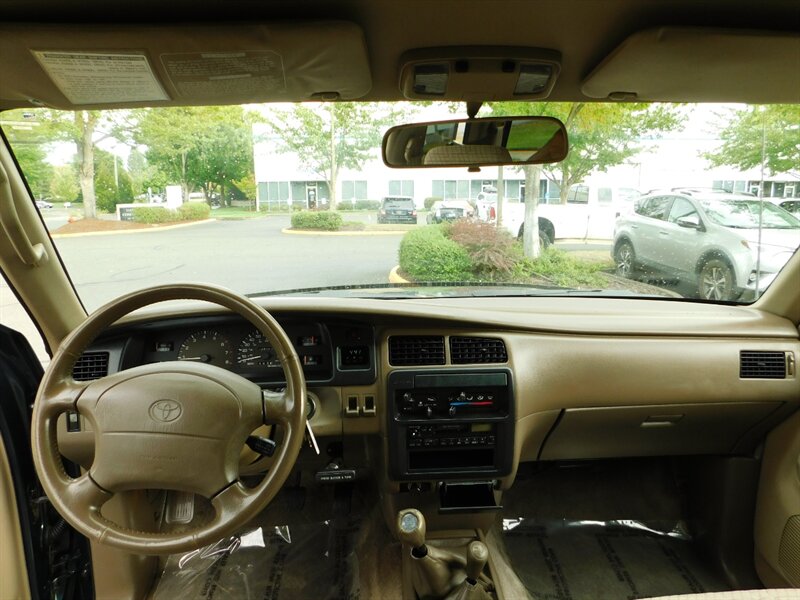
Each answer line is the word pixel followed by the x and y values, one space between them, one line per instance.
pixel 590 213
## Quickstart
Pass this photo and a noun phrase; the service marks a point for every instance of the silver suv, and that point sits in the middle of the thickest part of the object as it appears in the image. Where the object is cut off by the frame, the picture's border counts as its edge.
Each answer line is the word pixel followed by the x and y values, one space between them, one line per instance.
pixel 708 238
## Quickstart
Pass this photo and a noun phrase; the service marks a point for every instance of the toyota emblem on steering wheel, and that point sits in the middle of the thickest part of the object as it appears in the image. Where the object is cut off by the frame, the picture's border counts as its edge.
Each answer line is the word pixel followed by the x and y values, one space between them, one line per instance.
pixel 165 411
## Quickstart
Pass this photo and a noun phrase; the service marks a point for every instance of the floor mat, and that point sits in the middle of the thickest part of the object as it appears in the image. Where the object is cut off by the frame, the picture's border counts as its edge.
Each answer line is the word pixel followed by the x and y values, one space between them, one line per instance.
pixel 596 560
pixel 309 561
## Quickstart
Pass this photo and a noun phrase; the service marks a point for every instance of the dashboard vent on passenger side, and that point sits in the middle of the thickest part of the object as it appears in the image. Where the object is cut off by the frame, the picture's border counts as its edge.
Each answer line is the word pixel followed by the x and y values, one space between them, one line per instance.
pixel 759 364
pixel 90 365
pixel 408 350
pixel 475 350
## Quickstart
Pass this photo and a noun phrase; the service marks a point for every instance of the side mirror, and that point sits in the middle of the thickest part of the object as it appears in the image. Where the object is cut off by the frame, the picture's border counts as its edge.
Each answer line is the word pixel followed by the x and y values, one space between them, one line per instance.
pixel 691 222
pixel 476 143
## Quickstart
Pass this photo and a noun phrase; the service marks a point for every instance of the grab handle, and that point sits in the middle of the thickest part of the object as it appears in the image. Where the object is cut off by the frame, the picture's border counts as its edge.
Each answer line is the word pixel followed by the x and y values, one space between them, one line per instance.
pixel 30 254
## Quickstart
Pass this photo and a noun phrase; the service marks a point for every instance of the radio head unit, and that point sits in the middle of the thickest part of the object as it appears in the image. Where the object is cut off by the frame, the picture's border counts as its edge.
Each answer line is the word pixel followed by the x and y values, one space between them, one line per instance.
pixel 450 424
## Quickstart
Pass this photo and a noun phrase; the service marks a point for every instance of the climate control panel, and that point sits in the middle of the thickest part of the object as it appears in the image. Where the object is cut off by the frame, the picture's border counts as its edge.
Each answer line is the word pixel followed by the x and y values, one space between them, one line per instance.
pixel 450 423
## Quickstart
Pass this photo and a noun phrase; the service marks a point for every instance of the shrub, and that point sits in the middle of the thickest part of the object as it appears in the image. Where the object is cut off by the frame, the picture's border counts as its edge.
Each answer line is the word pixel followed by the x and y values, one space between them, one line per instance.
pixel 358 205
pixel 353 226
pixel 427 255
pixel 153 215
pixel 324 220
pixel 194 211
pixel 429 201
pixel 492 250
pixel 564 270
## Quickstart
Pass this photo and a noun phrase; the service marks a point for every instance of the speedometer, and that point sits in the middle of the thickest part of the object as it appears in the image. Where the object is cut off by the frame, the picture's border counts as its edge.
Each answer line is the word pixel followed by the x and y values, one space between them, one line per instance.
pixel 207 346
pixel 255 350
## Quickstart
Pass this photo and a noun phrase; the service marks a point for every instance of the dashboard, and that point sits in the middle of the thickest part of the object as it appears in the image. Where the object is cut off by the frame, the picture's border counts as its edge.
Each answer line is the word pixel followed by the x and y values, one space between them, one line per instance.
pixel 332 351
pixel 467 389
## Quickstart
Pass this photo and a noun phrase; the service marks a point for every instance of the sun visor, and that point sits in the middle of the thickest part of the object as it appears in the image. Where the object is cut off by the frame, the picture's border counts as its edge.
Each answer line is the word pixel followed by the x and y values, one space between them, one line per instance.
pixel 94 66
pixel 673 64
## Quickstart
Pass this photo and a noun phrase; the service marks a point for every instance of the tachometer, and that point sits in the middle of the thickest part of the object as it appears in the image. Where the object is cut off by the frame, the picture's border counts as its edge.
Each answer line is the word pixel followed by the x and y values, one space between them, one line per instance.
pixel 256 351
pixel 208 346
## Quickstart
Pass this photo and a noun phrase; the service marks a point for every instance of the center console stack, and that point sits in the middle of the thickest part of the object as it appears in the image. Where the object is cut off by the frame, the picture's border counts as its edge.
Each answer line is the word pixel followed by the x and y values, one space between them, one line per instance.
pixel 451 425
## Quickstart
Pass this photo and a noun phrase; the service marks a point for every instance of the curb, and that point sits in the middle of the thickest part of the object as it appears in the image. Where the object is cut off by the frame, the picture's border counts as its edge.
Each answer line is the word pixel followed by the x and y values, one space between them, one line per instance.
pixel 290 231
pixel 395 278
pixel 56 236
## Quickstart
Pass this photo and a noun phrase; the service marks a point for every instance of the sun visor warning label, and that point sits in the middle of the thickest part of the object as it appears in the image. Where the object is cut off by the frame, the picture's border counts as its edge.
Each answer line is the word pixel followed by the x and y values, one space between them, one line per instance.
pixel 217 75
pixel 100 78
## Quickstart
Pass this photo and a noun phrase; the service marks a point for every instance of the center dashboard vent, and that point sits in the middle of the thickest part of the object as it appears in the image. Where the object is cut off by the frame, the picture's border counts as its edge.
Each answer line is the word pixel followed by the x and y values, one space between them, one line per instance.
pixel 476 350
pixel 759 364
pixel 412 350
pixel 90 365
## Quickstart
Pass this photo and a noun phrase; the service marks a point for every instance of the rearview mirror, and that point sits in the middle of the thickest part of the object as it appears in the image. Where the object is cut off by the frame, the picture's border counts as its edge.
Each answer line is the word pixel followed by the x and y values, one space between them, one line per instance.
pixel 476 143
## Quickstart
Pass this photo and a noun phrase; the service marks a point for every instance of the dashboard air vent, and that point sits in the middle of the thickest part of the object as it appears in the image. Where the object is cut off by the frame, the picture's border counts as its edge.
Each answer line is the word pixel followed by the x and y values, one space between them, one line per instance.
pixel 759 364
pixel 90 365
pixel 408 350
pixel 475 350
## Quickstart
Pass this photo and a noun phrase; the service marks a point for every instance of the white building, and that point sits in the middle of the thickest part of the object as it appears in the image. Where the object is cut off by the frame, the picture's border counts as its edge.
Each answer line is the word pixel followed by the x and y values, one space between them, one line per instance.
pixel 672 161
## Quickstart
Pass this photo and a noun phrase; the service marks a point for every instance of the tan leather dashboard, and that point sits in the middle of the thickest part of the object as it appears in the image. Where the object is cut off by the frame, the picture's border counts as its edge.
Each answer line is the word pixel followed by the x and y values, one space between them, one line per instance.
pixel 591 377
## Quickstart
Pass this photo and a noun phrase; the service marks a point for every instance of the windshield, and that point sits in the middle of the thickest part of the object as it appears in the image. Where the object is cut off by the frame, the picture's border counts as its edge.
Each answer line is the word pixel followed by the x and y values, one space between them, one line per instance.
pixel 268 198
pixel 749 214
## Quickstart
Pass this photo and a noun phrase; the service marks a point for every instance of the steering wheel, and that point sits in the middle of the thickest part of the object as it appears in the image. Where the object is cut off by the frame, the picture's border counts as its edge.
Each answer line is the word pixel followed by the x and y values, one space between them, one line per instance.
pixel 170 426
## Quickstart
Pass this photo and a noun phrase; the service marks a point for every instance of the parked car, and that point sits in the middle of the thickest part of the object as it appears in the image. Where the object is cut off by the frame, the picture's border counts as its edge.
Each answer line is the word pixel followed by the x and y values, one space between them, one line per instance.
pixel 397 209
pixel 792 206
pixel 43 204
pixel 450 210
pixel 711 239
pixel 589 212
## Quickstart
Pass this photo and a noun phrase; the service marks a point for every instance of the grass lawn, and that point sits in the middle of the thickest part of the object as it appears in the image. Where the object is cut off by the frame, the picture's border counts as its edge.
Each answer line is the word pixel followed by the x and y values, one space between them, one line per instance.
pixel 239 213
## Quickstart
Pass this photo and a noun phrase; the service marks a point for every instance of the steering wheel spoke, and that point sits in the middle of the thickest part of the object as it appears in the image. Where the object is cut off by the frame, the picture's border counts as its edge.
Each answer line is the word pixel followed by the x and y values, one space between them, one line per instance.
pixel 278 407
pixel 230 500
pixel 86 498
pixel 63 397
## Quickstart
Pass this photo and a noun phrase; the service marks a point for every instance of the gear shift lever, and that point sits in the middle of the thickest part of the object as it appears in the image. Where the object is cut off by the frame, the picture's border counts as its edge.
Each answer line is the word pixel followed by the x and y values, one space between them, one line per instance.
pixel 477 555
pixel 439 573
pixel 411 531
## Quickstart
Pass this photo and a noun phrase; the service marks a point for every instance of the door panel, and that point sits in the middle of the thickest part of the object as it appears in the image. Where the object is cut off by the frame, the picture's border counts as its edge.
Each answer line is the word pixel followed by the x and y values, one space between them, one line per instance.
pixel 679 247
pixel 13 569
pixel 648 240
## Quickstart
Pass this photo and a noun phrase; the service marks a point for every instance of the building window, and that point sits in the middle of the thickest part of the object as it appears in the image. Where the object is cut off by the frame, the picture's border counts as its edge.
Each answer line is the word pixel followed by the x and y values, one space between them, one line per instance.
pixel 604 195
pixel 450 189
pixel 354 190
pixel 463 189
pixel 401 187
pixel 512 189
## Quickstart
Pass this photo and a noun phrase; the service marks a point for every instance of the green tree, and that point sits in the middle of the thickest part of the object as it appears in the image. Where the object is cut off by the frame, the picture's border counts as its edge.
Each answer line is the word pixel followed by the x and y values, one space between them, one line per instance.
pixel 601 135
pixel 64 184
pixel 110 188
pixel 143 175
pixel 332 136
pixel 201 147
pixel 772 130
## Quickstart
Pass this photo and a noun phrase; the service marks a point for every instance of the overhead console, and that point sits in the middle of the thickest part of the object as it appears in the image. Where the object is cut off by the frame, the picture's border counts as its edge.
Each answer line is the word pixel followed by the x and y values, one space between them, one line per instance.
pixel 451 423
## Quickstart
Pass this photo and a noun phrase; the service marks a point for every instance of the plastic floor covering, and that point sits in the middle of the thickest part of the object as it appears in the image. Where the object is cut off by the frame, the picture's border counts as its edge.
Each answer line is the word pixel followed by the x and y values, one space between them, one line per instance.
pixel 308 561
pixel 595 560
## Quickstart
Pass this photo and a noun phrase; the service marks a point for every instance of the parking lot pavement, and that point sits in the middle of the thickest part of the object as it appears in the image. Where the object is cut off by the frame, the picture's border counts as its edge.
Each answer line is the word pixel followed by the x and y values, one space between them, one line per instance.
pixel 249 256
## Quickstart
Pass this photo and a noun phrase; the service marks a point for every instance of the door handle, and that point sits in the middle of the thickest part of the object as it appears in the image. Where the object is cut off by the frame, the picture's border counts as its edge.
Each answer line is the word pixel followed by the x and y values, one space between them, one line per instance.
pixel 664 233
pixel 634 227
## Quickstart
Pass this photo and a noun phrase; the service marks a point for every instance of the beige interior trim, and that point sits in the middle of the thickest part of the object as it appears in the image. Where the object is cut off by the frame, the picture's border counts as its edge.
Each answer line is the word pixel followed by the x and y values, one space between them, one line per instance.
pixel 276 62
pixel 13 570
pixel 783 296
pixel 615 318
pixel 45 290
pixel 726 66
pixel 778 501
